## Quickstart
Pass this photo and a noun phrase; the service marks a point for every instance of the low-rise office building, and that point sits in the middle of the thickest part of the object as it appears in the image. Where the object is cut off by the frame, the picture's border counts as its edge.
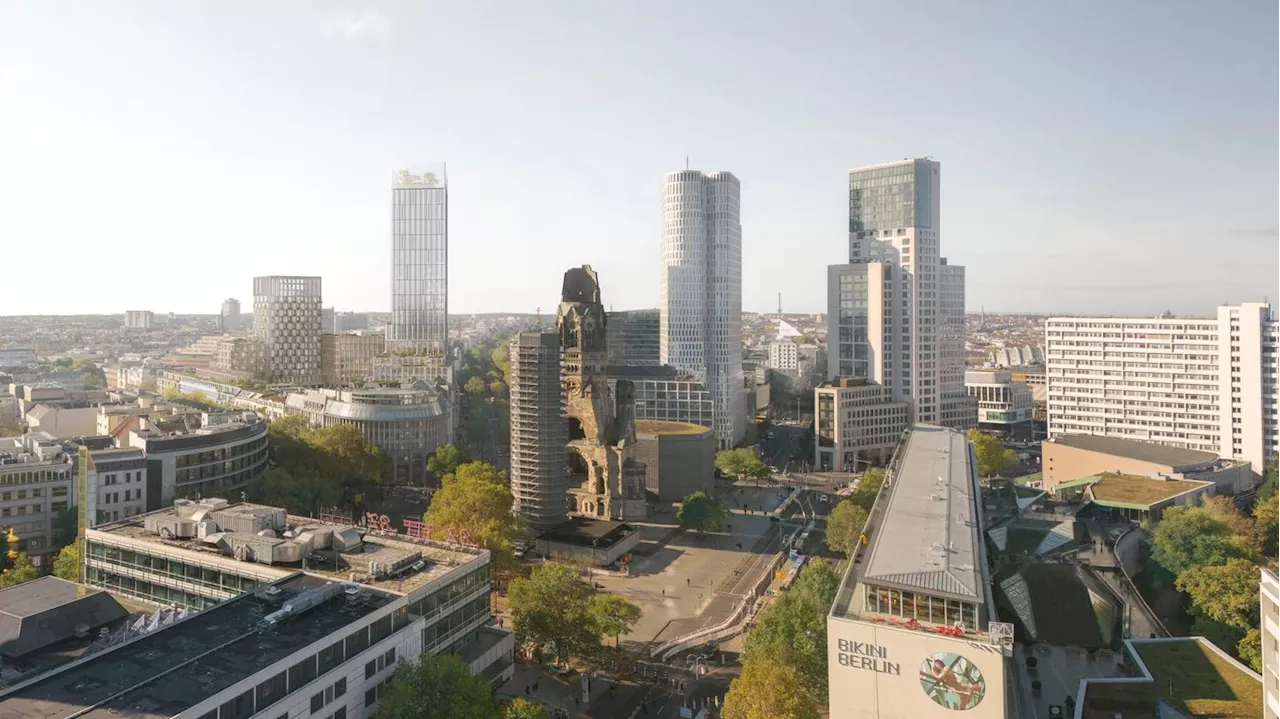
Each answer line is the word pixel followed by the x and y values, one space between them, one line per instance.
pixel 913 633
pixel 856 420
pixel 218 454
pixel 665 393
pixel 269 637
pixel 1004 406
pixel 1070 457
pixel 1135 498
pixel 37 479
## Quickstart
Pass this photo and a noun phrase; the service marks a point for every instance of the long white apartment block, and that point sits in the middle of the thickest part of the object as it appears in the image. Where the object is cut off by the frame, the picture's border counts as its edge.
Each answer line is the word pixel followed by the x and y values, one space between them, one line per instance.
pixel 1207 384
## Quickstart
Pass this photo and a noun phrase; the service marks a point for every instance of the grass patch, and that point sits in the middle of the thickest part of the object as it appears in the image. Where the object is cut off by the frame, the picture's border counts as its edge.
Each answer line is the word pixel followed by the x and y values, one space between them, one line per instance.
pixel 657 426
pixel 1131 489
pixel 1188 675
pixel 1028 478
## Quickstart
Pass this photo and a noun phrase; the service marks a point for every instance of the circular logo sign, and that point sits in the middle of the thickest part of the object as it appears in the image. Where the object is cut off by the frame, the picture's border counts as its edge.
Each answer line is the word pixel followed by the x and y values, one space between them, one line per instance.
pixel 952 681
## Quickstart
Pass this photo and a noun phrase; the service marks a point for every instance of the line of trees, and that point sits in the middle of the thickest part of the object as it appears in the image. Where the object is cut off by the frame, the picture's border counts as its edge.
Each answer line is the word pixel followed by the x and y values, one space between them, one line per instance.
pixel 443 687
pixel 784 662
pixel 742 463
pixel 563 617
pixel 483 379
pixel 993 457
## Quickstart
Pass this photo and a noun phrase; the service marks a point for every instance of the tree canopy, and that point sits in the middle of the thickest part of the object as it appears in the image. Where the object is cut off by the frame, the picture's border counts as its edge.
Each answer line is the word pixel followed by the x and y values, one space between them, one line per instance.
pixel 67 564
pixel 793 629
pixel 20 570
pixel 844 527
pixel 1212 533
pixel 743 463
pixel 521 708
pixel 768 690
pixel 553 609
pixel 614 615
pixel 993 457
pixel 437 687
pixel 316 468
pixel 445 460
pixel 9 548
pixel 702 512
pixel 474 502
pixel 868 488
pixel 1226 593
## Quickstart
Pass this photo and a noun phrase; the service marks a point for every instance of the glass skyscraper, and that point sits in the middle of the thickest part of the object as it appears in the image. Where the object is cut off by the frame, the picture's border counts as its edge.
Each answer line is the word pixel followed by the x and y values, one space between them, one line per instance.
pixel 419 262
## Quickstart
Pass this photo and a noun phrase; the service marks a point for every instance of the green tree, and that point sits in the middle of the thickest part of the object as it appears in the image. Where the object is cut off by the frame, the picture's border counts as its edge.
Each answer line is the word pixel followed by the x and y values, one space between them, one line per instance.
pixel 701 512
pixel 1266 514
pixel 64 363
pixel 474 386
pixel 66 526
pixel 768 690
pixel 446 460
pixel 614 615
pixel 521 708
pixel 8 548
pixel 10 426
pixel 170 393
pixel 67 564
pixel 437 687
pixel 302 492
pixel 501 358
pixel 476 499
pixel 743 463
pixel 553 610
pixel 345 447
pixel 844 527
pixel 22 570
pixel 1250 649
pixel 993 457
pixel 868 488
pixel 1189 537
pixel 1226 593
pixel 792 630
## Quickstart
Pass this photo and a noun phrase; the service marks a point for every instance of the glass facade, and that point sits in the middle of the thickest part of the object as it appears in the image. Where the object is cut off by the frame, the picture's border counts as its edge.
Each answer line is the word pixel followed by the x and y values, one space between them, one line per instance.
pixel 222 469
pixel 162 579
pixel 419 262
pixel 892 197
pixel 924 608
pixel 854 358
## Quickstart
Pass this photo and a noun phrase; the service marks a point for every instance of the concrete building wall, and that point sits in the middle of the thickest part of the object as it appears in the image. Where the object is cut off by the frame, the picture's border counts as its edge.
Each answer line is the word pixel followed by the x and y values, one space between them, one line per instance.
pixel 63 422
pixel 677 460
pixel 1062 463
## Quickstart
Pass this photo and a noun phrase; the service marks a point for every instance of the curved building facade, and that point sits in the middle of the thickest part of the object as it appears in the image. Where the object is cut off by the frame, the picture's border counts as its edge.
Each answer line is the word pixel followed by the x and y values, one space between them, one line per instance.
pixel 225 454
pixel 408 423
pixel 700 293
pixel 679 457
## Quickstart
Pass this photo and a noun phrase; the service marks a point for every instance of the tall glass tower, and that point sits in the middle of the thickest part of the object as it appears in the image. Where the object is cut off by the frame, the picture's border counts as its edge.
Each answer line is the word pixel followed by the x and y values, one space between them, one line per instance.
pixel 419 262
pixel 700 292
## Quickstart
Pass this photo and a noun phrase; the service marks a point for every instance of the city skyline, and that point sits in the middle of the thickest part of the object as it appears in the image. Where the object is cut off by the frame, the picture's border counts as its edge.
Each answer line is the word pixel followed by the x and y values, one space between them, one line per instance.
pixel 330 101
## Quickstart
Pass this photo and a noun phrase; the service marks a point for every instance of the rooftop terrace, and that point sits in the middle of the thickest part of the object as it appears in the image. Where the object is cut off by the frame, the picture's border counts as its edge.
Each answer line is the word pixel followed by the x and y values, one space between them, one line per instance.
pixel 166 672
pixel 1138 450
pixel 1131 491
pixel 417 561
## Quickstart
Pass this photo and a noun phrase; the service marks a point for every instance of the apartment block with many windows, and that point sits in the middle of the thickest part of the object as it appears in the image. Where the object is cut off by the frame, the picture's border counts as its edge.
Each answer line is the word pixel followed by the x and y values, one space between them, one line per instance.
pixel 1205 384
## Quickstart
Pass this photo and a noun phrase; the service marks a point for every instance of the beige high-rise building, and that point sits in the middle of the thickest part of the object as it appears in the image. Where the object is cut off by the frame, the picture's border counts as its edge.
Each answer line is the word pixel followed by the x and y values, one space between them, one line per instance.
pixel 896 310
pixel 1207 384
pixel 286 318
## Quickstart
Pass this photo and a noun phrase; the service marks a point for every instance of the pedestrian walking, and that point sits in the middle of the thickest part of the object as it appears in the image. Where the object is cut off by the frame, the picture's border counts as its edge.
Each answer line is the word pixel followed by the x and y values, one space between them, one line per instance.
pixel 526 690
pixel 535 686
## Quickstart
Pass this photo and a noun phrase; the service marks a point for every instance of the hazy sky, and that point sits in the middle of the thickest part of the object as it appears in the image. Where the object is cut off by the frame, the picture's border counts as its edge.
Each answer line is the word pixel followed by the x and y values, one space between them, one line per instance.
pixel 1098 156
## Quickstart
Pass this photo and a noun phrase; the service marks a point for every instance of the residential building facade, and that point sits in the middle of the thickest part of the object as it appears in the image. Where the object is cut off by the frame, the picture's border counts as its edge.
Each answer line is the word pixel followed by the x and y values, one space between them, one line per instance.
pixel 784 356
pixel 138 319
pixel 223 453
pixel 229 315
pixel 420 261
pixel 700 290
pixel 1206 384
pixel 286 318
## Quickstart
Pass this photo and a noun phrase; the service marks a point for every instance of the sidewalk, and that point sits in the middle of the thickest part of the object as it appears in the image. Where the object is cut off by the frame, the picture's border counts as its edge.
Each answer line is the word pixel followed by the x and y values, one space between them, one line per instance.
pixel 554 692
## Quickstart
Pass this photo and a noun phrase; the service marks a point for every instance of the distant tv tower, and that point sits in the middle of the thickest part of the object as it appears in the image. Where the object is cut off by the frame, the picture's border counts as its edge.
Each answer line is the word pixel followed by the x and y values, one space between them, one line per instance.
pixel 779 304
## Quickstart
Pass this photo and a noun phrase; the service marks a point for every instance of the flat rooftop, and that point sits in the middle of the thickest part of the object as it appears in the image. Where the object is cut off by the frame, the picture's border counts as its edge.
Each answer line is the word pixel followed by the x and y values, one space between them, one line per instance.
pixel 1137 450
pixel 381 547
pixel 658 426
pixel 170 670
pixel 1132 491
pixel 1193 678
pixel 922 533
pixel 587 532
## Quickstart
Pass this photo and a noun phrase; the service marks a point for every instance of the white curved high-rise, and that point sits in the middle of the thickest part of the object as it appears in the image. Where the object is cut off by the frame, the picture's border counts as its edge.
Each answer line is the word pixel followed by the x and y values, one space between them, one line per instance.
pixel 700 294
